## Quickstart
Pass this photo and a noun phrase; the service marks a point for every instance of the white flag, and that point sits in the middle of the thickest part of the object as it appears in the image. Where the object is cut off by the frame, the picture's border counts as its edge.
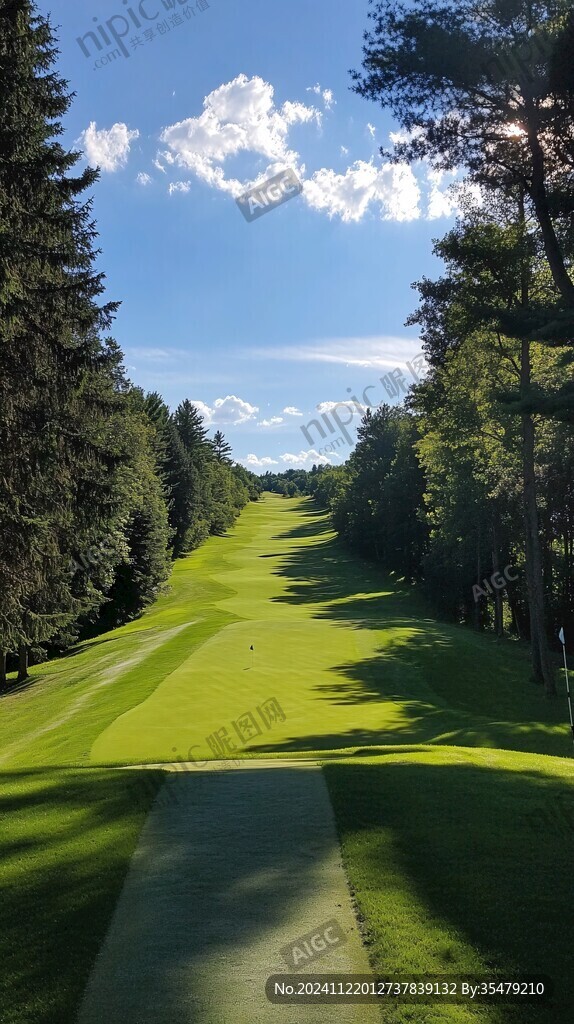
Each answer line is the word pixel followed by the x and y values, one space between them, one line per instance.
pixel 561 636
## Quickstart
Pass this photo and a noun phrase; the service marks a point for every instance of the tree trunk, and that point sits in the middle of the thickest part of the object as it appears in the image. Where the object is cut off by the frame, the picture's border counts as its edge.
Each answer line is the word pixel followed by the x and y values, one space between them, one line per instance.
pixel 541 661
pixel 513 604
pixel 22 663
pixel 3 680
pixel 539 197
pixel 498 611
pixel 476 609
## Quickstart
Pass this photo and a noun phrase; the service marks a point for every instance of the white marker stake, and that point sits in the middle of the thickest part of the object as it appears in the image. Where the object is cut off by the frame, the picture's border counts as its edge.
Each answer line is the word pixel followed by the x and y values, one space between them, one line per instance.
pixel 562 639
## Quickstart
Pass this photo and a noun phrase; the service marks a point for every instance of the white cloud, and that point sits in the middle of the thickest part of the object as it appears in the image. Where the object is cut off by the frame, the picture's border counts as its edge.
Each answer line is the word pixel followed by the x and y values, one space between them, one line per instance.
pixel 356 408
pixel 231 410
pixel 392 188
pixel 441 203
pixel 325 94
pixel 303 459
pixel 256 463
pixel 273 422
pixel 179 186
pixel 382 352
pixel 292 411
pixel 239 116
pixel 143 178
pixel 107 148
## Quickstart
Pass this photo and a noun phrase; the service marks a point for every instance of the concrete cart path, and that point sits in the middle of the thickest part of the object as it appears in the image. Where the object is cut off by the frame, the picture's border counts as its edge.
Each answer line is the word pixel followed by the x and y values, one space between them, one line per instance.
pixel 236 866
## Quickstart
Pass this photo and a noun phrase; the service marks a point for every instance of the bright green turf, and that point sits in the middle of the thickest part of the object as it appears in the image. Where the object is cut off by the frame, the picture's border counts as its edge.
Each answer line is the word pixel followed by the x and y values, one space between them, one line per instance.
pixel 353 658
pixel 461 862
pixel 357 663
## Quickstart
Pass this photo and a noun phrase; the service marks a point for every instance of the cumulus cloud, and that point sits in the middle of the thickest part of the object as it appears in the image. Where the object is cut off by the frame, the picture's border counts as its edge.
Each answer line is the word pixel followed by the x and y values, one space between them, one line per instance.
pixel 356 408
pixel 204 409
pixel 242 117
pixel 273 422
pixel 239 116
pixel 254 462
pixel 392 188
pixel 300 460
pixel 303 459
pixel 292 411
pixel 441 202
pixel 108 148
pixel 231 410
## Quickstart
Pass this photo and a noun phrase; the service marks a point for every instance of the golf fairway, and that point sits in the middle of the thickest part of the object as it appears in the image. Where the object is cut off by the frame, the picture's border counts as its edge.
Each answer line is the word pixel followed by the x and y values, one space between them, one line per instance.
pixel 349 657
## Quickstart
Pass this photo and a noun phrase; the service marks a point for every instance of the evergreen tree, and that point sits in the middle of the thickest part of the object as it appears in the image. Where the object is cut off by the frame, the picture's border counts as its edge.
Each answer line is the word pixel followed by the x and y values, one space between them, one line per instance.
pixel 53 410
pixel 221 448
pixel 486 88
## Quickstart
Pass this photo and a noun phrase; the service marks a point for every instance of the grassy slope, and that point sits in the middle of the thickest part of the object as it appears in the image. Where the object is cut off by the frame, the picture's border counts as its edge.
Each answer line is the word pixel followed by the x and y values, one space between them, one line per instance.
pixel 354 659
pixel 356 662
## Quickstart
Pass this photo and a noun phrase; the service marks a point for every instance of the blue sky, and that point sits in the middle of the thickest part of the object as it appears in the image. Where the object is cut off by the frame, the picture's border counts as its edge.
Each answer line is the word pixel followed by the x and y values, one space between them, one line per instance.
pixel 265 325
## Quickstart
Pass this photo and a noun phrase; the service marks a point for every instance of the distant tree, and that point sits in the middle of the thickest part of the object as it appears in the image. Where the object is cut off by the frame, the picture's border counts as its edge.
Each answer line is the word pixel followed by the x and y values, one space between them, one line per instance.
pixel 221 448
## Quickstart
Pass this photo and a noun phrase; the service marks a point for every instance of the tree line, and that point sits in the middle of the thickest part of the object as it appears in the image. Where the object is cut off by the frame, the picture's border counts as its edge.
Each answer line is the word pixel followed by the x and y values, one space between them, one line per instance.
pixel 469 486
pixel 101 486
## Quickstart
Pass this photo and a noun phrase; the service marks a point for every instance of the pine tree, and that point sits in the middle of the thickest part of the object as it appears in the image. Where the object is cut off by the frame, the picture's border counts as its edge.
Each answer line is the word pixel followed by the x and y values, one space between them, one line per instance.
pixel 50 422
pixel 221 448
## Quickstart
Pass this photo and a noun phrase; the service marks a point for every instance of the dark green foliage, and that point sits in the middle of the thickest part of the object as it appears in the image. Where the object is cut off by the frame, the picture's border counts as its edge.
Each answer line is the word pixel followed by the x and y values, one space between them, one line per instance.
pixel 58 395
pixel 221 448
pixel 98 485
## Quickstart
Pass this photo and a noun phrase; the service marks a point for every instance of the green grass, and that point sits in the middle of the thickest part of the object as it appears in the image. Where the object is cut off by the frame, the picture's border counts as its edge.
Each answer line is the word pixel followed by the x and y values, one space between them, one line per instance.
pixel 66 841
pixel 360 667
pixel 354 659
pixel 461 863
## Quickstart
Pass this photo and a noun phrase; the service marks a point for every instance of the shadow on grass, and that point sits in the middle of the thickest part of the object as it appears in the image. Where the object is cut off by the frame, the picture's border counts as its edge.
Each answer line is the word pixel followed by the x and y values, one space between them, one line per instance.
pixel 66 842
pixel 449 684
pixel 212 895
pixel 484 851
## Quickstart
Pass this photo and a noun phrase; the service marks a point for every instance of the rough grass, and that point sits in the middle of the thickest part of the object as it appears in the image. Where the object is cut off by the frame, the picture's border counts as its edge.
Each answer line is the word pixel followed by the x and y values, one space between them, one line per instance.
pixel 66 841
pixel 461 863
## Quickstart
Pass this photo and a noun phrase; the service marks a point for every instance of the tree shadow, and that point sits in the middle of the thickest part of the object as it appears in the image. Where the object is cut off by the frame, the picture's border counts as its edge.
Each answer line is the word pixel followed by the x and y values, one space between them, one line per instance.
pixel 485 851
pixel 65 847
pixel 452 685
pixel 247 854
